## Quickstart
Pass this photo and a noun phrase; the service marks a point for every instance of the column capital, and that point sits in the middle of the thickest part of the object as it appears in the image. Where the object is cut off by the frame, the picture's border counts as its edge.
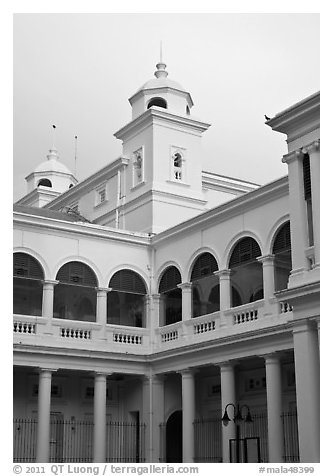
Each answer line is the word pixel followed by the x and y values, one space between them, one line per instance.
pixel 227 365
pixel 50 282
pixel 266 259
pixel 272 357
pixel 46 369
pixel 292 156
pixel 313 147
pixel 303 325
pixel 101 374
pixel 223 273
pixel 103 290
pixel 185 286
pixel 153 377
pixel 189 372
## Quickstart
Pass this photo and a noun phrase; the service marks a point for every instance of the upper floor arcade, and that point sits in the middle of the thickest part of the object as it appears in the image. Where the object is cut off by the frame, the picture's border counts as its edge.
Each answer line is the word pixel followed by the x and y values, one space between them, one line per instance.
pixel 84 286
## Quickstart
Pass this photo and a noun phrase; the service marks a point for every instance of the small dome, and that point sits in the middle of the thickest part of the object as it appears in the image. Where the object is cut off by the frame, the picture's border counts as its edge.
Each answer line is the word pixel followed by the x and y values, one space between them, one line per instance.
pixel 161 80
pixel 52 164
pixel 157 83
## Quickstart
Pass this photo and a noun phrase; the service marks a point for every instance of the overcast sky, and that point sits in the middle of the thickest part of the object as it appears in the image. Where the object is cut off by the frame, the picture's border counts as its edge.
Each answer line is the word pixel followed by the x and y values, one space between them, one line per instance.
pixel 78 70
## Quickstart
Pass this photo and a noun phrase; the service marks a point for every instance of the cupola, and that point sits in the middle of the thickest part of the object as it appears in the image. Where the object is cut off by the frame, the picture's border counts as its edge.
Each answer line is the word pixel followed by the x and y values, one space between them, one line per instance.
pixel 161 92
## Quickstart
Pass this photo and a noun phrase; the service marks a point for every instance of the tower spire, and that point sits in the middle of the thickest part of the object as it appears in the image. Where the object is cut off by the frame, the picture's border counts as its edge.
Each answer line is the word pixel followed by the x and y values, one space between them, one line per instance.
pixel 161 71
pixel 53 151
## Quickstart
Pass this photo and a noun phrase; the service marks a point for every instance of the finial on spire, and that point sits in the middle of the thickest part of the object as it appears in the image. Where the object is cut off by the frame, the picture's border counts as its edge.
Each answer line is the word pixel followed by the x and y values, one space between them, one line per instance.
pixel 53 151
pixel 161 71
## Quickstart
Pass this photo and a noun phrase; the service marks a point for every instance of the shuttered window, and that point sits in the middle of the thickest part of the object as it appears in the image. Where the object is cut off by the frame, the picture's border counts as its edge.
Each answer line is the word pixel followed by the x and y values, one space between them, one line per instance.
pixel 282 240
pixel 77 273
pixel 205 265
pixel 127 281
pixel 25 266
pixel 170 279
pixel 307 177
pixel 246 250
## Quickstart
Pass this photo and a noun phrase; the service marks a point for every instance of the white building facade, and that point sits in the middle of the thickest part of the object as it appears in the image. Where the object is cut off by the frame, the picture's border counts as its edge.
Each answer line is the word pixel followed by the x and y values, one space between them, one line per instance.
pixel 152 299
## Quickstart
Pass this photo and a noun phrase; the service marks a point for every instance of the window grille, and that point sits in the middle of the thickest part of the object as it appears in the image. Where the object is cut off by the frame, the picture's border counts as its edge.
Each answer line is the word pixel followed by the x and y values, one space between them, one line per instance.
pixel 307 177
pixel 204 265
pixel 77 273
pixel 127 281
pixel 171 277
pixel 282 240
pixel 102 195
pixel 247 249
pixel 25 266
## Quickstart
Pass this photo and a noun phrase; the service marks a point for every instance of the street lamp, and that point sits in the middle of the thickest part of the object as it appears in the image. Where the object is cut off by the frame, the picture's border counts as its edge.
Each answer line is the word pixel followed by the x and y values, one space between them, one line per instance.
pixel 237 419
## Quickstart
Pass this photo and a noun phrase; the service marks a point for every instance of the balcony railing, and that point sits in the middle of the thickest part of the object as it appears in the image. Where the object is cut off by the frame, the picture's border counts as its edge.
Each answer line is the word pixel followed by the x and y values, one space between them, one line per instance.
pixel 141 341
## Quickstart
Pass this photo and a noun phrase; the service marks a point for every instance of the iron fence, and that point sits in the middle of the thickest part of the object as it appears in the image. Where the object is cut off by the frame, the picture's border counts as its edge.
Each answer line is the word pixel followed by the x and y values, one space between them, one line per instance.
pixel 72 441
pixel 290 433
pixel 208 437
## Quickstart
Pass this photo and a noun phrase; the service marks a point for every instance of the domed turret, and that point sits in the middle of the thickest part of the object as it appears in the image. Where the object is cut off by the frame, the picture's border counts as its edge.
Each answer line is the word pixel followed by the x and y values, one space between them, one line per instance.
pixel 163 92
pixel 52 174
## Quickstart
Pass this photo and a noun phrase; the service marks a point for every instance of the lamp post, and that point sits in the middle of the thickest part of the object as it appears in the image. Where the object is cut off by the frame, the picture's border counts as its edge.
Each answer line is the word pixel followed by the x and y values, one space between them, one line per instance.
pixel 237 419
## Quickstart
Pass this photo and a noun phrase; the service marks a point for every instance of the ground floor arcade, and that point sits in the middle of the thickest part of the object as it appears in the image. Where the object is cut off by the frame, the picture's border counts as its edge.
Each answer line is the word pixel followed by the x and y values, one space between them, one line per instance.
pixel 71 415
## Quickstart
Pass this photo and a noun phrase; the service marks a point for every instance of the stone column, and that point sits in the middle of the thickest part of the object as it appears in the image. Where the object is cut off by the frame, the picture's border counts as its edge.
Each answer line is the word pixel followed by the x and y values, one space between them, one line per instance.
pixel 228 395
pixel 100 418
pixel 101 309
pixel 44 407
pixel 153 414
pixel 268 275
pixel 186 300
pixel 188 405
pixel 298 220
pixel 306 352
pixel 274 408
pixel 225 287
pixel 314 154
pixel 48 299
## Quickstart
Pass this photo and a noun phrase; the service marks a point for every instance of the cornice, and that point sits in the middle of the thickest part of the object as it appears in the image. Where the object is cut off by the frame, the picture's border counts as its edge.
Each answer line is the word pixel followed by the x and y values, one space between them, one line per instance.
pixel 298 114
pixel 144 92
pixel 241 204
pixel 85 229
pixel 153 114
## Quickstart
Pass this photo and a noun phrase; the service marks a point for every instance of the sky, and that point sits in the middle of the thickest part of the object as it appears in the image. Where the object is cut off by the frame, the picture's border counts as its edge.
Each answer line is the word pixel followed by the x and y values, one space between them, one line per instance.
pixel 78 70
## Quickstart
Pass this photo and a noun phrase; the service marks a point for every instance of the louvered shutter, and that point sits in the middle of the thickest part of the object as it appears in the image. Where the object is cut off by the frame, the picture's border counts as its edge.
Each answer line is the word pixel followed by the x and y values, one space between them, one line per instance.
pixel 246 250
pixel 282 240
pixel 205 265
pixel 77 273
pixel 307 177
pixel 127 281
pixel 170 279
pixel 25 266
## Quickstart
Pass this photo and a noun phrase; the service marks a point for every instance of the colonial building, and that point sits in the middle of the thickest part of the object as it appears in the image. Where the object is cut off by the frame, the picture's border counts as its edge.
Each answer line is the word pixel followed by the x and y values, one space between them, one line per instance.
pixel 166 313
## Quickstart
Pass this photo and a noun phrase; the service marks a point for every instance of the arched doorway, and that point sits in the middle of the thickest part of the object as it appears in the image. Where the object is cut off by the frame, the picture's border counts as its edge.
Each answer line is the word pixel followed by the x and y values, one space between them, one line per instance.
pixel 174 438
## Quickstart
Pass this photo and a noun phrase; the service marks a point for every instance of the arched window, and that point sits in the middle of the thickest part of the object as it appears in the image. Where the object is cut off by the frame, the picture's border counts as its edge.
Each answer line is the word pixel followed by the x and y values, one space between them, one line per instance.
pixel 75 294
pixel 170 296
pixel 28 285
pixel 246 277
pixel 282 261
pixel 205 286
pixel 160 102
pixel 45 183
pixel 126 301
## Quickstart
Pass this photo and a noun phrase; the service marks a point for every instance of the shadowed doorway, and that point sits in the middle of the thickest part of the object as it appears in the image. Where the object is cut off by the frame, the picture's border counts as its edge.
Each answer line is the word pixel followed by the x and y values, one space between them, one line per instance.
pixel 174 438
